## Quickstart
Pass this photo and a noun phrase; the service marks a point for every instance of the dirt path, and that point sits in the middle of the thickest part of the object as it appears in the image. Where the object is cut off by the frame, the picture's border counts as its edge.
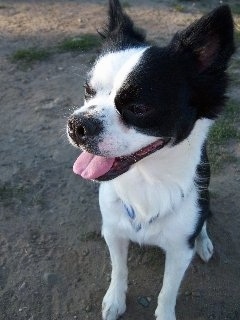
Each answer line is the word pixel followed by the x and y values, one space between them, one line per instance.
pixel 53 262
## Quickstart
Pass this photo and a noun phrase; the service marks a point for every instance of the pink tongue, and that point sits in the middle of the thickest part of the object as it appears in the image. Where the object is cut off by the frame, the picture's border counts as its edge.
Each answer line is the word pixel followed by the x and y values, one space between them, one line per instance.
pixel 90 166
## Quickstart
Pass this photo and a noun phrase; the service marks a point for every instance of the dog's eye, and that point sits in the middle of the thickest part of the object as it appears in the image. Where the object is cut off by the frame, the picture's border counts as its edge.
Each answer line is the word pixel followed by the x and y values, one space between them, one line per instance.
pixel 89 91
pixel 140 109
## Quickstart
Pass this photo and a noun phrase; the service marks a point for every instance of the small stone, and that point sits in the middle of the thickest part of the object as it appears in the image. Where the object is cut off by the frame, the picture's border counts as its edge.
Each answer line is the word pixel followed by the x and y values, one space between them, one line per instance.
pixel 85 252
pixel 50 278
pixel 22 286
pixel 143 301
pixel 187 293
pixel 34 235
pixel 196 294
pixel 88 308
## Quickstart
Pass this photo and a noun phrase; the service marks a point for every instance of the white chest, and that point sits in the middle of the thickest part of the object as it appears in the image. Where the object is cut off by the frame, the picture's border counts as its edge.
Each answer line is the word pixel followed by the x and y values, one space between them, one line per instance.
pixel 122 219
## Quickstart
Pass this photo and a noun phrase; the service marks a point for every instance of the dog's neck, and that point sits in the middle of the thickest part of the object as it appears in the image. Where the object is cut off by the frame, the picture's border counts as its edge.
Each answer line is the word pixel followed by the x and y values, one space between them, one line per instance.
pixel 158 183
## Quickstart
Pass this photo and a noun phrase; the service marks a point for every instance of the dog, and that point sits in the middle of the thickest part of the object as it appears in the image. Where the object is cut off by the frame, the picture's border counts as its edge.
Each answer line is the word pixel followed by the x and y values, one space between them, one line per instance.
pixel 143 130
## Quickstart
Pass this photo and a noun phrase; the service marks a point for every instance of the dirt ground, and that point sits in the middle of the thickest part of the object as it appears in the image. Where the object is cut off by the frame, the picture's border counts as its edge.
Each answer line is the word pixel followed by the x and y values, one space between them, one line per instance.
pixel 54 264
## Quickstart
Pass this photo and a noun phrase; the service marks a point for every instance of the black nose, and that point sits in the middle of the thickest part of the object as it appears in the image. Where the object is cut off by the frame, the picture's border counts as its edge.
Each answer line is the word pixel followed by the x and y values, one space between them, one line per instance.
pixel 80 127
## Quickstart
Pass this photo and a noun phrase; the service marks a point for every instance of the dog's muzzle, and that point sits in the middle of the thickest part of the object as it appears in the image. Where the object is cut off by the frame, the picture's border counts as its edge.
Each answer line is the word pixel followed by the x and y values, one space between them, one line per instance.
pixel 85 131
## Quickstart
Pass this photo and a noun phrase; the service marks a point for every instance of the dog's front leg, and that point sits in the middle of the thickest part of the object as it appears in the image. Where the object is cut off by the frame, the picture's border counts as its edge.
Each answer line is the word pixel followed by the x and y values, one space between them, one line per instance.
pixel 177 261
pixel 114 302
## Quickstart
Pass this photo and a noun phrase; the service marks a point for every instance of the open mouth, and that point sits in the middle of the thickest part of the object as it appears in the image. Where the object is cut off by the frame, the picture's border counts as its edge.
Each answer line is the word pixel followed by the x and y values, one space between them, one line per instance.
pixel 98 168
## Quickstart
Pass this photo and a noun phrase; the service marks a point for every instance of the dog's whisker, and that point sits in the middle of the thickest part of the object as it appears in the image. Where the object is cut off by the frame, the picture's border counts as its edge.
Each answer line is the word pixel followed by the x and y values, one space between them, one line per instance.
pixel 76 74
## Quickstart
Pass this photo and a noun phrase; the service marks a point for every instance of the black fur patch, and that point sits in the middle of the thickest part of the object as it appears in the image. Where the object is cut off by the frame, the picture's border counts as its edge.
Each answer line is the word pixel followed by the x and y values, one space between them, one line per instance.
pixel 160 82
pixel 120 32
pixel 182 82
pixel 202 182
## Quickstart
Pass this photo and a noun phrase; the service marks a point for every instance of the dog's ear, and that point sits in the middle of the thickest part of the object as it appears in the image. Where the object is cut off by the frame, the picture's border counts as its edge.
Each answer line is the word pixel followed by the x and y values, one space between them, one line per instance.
pixel 210 40
pixel 120 26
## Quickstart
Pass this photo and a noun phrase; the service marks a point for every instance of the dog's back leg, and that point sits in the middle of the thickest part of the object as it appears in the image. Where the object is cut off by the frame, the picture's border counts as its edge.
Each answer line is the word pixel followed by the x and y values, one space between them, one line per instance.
pixel 203 244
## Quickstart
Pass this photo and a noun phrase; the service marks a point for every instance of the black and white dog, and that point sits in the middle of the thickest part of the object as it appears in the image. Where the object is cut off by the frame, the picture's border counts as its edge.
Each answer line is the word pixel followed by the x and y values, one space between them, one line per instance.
pixel 143 130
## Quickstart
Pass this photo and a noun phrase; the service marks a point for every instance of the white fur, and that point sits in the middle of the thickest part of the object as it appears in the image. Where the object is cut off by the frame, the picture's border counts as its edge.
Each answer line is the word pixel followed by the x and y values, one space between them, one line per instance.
pixel 204 246
pixel 163 184
pixel 155 185
pixel 111 69
pixel 159 188
pixel 117 139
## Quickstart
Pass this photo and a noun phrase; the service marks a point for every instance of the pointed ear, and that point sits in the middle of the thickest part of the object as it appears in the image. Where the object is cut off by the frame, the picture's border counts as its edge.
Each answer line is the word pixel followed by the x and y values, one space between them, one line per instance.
pixel 120 25
pixel 116 17
pixel 209 40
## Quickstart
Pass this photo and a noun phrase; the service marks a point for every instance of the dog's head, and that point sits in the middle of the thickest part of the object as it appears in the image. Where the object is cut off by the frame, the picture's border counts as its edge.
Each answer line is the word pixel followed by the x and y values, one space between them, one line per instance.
pixel 140 98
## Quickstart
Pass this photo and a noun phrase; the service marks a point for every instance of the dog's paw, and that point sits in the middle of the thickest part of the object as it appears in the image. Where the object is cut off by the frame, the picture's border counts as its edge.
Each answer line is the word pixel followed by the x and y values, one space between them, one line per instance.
pixel 161 317
pixel 113 305
pixel 204 248
pixel 162 314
